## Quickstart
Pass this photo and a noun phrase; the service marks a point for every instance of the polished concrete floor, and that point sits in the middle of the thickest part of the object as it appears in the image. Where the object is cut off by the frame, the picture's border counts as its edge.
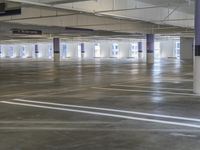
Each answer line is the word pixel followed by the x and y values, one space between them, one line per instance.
pixel 98 105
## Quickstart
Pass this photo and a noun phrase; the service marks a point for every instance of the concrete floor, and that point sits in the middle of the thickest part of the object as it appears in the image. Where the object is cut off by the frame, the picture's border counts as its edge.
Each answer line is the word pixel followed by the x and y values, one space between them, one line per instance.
pixel 28 121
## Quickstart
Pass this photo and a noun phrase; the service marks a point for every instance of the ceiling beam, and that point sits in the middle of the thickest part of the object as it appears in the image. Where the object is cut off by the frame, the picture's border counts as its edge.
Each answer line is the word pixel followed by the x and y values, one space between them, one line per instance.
pixel 66 1
pixel 49 4
pixel 30 3
pixel 129 9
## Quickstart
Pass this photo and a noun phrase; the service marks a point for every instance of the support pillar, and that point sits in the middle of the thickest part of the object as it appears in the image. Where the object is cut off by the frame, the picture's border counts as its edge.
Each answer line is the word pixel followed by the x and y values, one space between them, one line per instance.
pixel 197 49
pixel 56 49
pixel 36 50
pixel 150 48
pixel 186 48
pixel 140 55
pixel 82 50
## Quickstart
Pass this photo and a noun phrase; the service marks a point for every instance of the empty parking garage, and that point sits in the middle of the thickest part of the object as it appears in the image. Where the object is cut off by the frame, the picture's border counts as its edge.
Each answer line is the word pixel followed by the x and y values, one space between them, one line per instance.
pixel 99 74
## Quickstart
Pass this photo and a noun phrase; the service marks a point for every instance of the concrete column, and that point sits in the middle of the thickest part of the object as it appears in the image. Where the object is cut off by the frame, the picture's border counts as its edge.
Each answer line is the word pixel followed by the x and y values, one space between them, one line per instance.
pixel 197 49
pixel 186 48
pixel 140 51
pixel 56 49
pixel 36 50
pixel 150 48
pixel 82 50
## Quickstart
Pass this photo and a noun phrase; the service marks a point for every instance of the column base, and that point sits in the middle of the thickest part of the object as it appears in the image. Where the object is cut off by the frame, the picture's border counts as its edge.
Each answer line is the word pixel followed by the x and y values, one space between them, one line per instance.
pixel 196 82
pixel 36 55
pixel 150 58
pixel 140 55
pixel 56 57
pixel 82 55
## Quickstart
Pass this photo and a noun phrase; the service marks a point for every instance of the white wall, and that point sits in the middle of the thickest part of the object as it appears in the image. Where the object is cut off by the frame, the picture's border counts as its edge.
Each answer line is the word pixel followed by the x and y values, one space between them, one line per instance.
pixel 29 50
pixel 124 48
pixel 186 48
pixel 72 50
pixel 44 50
pixel 105 47
pixel 16 49
pixel 89 50
pixel 168 48
pixel 144 48
pixel 5 51
pixel 63 51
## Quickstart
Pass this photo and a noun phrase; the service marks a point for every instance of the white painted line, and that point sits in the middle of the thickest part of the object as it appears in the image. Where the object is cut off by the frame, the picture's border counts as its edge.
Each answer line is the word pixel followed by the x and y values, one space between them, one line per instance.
pixel 183 135
pixel 111 110
pixel 43 92
pixel 178 79
pixel 98 129
pixel 145 91
pixel 105 114
pixel 103 129
pixel 191 73
pixel 147 87
pixel 57 122
pixel 147 79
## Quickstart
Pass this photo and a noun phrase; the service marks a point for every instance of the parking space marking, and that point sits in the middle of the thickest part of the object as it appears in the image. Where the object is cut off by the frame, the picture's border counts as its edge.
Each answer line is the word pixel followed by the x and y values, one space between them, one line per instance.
pixel 177 132
pixel 183 135
pixel 43 92
pixel 110 110
pixel 55 122
pixel 104 114
pixel 163 79
pixel 145 91
pixel 148 87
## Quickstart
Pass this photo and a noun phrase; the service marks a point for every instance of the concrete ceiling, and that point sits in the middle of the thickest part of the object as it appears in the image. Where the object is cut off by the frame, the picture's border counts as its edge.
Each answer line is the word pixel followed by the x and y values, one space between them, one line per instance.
pixel 120 17
pixel 173 12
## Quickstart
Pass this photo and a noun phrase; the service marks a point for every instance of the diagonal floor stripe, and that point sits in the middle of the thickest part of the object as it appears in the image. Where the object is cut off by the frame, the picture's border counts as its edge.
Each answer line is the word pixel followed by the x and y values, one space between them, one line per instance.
pixel 105 114
pixel 111 110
